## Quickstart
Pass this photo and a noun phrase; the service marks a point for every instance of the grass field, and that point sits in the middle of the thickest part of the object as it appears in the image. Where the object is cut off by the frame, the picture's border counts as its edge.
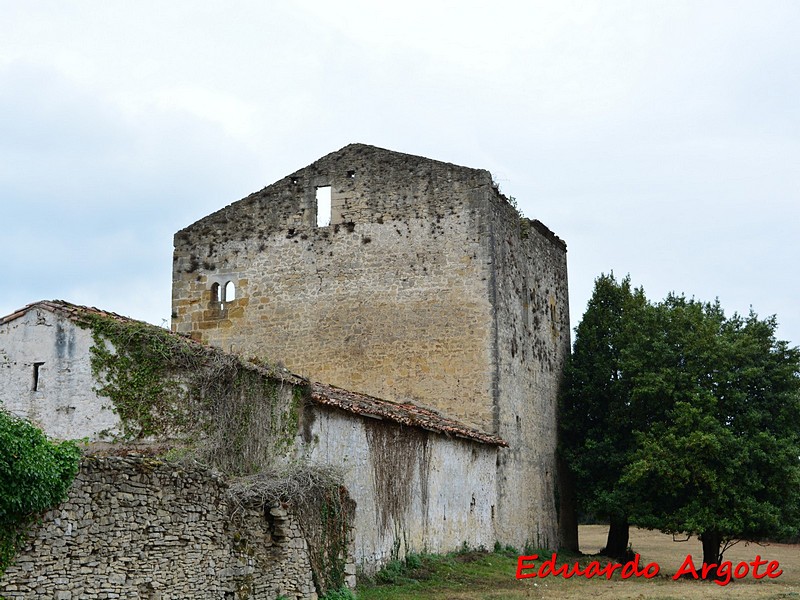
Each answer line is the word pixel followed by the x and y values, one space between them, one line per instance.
pixel 491 576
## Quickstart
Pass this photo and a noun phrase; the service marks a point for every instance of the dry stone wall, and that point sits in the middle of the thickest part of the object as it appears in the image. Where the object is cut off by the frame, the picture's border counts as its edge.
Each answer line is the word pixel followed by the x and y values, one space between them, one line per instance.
pixel 140 528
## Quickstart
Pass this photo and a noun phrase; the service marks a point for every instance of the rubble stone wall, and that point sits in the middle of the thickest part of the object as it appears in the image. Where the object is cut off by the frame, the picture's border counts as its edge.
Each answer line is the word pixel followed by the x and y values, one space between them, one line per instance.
pixel 389 300
pixel 529 284
pixel 141 528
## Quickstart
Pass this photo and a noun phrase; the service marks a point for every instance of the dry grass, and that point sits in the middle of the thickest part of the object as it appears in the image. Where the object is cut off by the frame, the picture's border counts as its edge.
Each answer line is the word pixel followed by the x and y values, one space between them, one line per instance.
pixel 497 582
pixel 657 547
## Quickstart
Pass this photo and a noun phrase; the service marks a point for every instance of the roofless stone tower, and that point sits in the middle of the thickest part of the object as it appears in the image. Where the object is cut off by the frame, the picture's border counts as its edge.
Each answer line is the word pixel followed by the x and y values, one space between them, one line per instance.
pixel 403 278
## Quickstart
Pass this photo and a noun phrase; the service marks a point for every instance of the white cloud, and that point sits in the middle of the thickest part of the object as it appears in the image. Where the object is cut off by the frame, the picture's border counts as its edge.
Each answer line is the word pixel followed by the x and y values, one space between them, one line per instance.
pixel 656 138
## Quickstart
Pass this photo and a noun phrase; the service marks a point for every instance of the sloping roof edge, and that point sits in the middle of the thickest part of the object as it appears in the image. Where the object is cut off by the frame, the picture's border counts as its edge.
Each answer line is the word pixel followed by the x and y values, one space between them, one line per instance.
pixel 404 413
pixel 327 395
pixel 68 310
pixel 77 313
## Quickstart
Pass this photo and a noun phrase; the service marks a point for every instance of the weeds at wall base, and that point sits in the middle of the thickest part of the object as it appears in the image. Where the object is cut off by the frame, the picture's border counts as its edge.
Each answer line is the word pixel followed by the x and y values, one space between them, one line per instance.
pixel 343 593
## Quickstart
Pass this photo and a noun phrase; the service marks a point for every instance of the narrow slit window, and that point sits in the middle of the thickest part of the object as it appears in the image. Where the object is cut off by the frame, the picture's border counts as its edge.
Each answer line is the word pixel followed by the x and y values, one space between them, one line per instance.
pixel 323 206
pixel 36 368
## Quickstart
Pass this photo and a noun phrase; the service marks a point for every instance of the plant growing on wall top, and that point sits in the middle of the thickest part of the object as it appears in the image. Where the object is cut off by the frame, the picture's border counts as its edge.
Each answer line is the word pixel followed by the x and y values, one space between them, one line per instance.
pixel 324 509
pixel 164 385
pixel 134 364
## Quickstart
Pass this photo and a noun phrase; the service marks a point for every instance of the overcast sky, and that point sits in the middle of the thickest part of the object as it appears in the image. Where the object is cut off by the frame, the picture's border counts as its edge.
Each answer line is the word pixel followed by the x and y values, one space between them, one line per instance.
pixel 660 139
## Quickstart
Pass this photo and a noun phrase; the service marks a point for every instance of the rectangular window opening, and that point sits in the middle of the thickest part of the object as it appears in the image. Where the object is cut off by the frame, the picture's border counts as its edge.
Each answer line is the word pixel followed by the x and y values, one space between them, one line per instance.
pixel 323 206
pixel 36 367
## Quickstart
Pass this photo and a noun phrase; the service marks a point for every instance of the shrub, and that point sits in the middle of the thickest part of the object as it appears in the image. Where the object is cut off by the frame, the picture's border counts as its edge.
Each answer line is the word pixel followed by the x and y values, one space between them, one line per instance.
pixel 35 475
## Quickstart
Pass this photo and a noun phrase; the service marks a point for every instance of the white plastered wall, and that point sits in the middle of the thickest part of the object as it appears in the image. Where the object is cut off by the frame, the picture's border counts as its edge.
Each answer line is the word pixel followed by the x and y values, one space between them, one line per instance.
pixel 447 485
pixel 60 398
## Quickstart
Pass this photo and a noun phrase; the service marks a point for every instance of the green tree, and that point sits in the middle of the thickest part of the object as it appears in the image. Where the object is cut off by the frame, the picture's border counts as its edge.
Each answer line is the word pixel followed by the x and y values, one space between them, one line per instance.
pixel 596 420
pixel 35 475
pixel 721 458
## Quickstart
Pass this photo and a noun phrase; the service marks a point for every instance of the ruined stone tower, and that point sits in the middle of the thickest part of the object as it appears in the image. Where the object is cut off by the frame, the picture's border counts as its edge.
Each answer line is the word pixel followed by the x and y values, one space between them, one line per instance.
pixel 403 278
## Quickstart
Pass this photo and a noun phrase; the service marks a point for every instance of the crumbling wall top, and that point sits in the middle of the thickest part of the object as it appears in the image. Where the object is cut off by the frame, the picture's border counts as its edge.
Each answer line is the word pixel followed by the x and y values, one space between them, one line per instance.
pixel 363 183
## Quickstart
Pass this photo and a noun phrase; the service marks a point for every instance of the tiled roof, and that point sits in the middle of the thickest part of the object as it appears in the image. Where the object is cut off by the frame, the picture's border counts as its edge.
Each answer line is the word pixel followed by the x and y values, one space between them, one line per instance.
pixel 362 405
pixel 404 413
pixel 78 314
pixel 65 309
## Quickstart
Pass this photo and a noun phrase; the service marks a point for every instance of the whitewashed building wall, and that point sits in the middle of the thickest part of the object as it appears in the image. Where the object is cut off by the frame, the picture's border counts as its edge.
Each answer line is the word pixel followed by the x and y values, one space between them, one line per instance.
pixel 46 377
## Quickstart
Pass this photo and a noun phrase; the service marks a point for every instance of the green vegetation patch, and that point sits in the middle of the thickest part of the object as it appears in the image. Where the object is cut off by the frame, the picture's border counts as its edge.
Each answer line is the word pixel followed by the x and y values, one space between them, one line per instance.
pixel 164 385
pixel 428 575
pixel 35 475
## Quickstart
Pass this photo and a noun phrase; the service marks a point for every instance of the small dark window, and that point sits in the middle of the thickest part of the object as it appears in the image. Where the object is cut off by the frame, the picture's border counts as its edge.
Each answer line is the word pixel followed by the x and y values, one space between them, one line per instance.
pixel 216 298
pixel 351 174
pixel 36 367
pixel 295 180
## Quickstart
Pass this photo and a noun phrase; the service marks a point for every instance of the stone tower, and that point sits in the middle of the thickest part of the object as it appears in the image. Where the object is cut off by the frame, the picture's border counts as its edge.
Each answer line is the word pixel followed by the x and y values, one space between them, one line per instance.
pixel 403 278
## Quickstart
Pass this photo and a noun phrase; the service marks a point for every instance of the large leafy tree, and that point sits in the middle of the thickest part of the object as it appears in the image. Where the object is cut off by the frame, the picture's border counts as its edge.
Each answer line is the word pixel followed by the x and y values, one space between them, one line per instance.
pixel 677 418
pixel 596 419
pixel 722 457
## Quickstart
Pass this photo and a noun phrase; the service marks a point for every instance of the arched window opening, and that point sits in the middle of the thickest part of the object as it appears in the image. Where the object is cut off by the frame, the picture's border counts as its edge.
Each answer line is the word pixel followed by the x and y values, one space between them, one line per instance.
pixel 216 300
pixel 230 292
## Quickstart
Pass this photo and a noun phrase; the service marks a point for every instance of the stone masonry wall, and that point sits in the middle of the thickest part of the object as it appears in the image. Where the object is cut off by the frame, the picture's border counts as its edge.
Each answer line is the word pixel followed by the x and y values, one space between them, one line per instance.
pixel 140 528
pixel 533 341
pixel 427 286
pixel 391 302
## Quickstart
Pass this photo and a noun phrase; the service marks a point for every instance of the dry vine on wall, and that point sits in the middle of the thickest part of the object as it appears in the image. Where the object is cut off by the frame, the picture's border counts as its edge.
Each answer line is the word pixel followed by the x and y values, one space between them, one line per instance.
pixel 239 417
pixel 323 508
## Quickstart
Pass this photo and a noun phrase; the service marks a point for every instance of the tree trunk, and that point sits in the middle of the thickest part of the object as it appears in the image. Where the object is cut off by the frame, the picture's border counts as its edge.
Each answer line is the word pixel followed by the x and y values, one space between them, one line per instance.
pixel 617 542
pixel 712 540
pixel 567 508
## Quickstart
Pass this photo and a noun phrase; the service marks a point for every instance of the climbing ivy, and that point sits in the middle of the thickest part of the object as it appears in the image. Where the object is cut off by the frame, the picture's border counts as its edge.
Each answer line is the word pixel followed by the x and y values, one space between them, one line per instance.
pixel 35 475
pixel 135 364
pixel 330 522
pixel 164 385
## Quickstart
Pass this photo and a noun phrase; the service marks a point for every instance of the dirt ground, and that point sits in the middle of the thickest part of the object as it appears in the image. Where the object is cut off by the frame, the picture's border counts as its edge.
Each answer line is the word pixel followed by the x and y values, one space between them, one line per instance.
pixel 498 581
pixel 659 548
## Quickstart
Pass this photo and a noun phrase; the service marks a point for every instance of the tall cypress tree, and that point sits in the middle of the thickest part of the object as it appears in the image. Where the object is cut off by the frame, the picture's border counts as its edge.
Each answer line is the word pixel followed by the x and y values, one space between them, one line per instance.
pixel 595 421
